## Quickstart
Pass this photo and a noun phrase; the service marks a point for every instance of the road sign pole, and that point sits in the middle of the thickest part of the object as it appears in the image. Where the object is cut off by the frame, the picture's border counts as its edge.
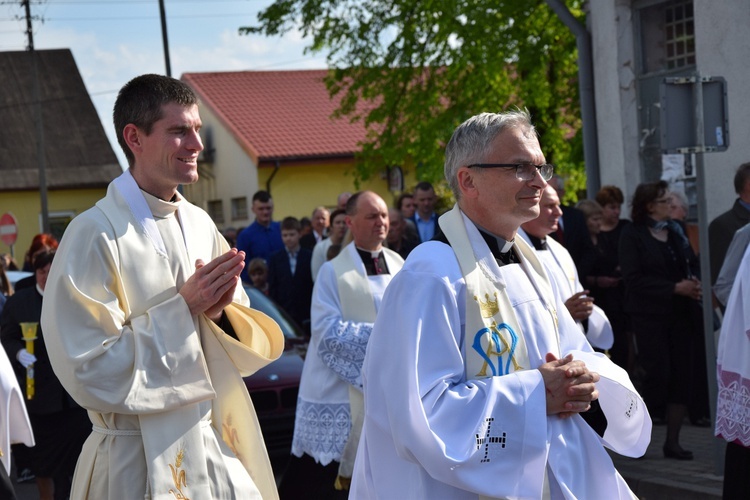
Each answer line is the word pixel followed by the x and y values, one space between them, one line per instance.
pixel 707 303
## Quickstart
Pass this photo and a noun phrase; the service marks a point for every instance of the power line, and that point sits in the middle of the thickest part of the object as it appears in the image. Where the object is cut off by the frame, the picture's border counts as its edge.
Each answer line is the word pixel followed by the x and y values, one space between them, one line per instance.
pixel 126 2
pixel 134 18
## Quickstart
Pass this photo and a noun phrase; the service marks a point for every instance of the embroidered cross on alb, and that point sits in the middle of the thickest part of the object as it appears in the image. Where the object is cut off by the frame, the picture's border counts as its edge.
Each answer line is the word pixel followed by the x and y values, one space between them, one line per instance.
pixel 488 439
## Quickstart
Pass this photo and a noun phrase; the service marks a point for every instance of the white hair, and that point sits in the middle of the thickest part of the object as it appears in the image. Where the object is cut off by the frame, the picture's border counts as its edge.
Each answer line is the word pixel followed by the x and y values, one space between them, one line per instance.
pixel 472 140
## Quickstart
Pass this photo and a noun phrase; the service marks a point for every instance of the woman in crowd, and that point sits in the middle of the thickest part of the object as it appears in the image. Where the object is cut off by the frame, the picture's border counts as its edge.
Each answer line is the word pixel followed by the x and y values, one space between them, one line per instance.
pixel 40 243
pixel 336 234
pixel 605 282
pixel 60 425
pixel 661 293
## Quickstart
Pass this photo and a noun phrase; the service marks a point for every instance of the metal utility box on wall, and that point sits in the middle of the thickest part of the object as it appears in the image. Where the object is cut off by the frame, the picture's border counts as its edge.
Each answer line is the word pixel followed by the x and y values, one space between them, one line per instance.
pixel 678 110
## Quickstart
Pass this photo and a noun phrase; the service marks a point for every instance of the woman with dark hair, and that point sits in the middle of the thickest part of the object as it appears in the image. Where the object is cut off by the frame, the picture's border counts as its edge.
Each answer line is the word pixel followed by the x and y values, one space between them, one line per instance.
pixel 605 282
pixel 661 293
pixel 60 425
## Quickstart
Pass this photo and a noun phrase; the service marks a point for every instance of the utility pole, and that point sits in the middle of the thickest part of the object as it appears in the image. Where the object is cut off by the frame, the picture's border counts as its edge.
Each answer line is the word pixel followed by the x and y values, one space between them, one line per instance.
pixel 164 37
pixel 39 123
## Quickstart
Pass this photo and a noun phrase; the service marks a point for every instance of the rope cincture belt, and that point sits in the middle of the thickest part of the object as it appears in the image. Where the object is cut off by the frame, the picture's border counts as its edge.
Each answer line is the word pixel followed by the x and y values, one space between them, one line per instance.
pixel 133 432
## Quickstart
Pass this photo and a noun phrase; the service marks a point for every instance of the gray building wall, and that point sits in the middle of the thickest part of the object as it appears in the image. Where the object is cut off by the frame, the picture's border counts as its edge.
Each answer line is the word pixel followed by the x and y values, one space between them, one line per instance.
pixel 722 37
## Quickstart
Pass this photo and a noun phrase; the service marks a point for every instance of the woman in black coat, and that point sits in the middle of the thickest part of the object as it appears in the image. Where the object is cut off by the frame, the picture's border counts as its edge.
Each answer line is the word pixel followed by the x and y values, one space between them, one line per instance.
pixel 661 290
pixel 60 426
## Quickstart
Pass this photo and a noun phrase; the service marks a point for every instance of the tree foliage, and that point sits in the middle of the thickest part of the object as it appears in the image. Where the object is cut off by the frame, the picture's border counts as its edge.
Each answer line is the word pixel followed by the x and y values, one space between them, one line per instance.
pixel 415 69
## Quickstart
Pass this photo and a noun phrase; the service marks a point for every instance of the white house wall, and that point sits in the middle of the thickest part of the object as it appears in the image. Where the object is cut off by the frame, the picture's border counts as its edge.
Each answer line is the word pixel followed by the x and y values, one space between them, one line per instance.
pixel 236 175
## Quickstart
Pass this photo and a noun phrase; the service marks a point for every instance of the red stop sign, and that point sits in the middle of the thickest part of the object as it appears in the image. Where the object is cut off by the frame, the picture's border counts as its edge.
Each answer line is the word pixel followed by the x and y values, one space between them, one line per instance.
pixel 8 229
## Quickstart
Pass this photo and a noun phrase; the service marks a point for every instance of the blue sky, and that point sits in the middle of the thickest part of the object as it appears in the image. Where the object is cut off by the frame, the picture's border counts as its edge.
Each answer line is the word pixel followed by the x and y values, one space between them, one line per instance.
pixel 114 40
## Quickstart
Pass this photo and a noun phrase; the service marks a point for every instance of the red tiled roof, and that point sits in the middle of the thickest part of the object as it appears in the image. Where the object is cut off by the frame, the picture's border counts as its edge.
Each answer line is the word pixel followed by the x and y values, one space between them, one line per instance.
pixel 278 114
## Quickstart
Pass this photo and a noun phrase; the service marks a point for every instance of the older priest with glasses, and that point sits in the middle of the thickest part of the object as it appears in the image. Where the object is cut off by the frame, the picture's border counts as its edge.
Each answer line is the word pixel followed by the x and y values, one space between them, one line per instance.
pixel 477 381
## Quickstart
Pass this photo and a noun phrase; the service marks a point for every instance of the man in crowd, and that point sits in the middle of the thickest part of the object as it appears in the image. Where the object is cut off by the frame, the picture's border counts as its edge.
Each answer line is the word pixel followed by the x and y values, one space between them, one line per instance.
pixel 399 239
pixel 425 218
pixel 342 199
pixel 476 376
pixel 290 281
pixel 572 232
pixel 262 238
pixel 562 271
pixel 345 301
pixel 147 327
pixel 319 231
pixel 722 228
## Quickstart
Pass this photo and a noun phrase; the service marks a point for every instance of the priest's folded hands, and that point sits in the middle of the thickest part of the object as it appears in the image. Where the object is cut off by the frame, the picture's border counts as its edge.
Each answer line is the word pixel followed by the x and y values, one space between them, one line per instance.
pixel 569 385
pixel 212 286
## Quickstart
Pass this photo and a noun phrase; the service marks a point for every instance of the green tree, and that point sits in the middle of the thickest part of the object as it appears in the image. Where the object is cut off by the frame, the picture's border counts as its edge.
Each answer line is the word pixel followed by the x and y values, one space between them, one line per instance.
pixel 415 69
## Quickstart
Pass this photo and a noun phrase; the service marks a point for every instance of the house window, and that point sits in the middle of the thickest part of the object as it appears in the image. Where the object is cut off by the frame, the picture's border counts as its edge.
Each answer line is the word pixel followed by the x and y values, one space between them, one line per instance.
pixel 216 211
pixel 58 222
pixel 667 36
pixel 239 208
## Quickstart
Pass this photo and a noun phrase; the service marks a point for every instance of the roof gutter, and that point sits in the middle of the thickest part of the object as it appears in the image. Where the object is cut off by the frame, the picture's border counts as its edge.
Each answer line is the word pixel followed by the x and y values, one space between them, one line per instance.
pixel 273 174
pixel 586 90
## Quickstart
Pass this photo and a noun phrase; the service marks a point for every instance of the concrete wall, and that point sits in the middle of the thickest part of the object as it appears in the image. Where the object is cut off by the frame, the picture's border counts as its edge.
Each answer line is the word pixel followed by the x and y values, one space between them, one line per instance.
pixel 722 49
pixel 615 90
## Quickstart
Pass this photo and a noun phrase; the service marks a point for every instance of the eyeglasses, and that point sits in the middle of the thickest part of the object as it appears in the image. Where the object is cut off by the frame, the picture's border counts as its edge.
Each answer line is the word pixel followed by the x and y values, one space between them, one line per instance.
pixel 524 171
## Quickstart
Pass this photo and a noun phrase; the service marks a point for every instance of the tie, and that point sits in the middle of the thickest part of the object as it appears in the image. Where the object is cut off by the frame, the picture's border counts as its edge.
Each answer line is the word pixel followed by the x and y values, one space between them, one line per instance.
pixel 560 235
pixel 376 264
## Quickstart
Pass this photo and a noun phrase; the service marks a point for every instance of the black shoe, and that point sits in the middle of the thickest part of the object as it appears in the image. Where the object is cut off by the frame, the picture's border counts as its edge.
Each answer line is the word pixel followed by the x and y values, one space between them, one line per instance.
pixel 701 422
pixel 677 453
pixel 25 476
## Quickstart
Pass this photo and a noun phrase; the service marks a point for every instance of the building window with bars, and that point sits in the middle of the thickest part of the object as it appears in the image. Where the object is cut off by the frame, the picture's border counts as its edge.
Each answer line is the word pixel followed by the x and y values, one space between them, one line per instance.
pixel 239 208
pixel 667 36
pixel 216 211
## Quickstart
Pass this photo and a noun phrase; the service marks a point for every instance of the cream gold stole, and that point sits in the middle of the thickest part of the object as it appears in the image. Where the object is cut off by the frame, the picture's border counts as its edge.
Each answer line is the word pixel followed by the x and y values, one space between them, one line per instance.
pixel 357 304
pixel 173 440
pixel 494 340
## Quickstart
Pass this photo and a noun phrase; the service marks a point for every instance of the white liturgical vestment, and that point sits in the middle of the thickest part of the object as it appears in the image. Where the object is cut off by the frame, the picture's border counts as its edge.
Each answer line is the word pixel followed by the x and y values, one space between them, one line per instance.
pixel 171 415
pixel 340 332
pixel 564 278
pixel 432 430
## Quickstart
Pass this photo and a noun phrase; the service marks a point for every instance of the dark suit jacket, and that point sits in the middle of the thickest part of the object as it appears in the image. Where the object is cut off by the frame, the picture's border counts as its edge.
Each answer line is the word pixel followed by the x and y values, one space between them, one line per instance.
pixel 648 288
pixel 26 306
pixel 720 234
pixel 577 240
pixel 308 241
pixel 292 293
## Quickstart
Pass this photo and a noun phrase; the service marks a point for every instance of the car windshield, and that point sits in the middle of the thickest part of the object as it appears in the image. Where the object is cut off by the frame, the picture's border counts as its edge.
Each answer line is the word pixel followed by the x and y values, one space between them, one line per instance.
pixel 269 308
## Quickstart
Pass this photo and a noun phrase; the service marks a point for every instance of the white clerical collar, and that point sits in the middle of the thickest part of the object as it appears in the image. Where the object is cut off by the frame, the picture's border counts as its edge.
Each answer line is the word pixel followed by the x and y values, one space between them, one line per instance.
pixel 129 189
pixel 159 208
pixel 39 289
pixel 503 244
pixel 374 253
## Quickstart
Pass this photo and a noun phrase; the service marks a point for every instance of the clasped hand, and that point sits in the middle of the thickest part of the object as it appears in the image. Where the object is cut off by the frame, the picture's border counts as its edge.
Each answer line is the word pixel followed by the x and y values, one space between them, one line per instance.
pixel 569 385
pixel 211 288
pixel 690 287
pixel 580 305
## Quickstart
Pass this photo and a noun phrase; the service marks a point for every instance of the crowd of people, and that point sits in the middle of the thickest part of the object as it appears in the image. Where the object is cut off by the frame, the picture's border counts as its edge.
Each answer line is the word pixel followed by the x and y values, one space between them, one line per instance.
pixel 512 336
